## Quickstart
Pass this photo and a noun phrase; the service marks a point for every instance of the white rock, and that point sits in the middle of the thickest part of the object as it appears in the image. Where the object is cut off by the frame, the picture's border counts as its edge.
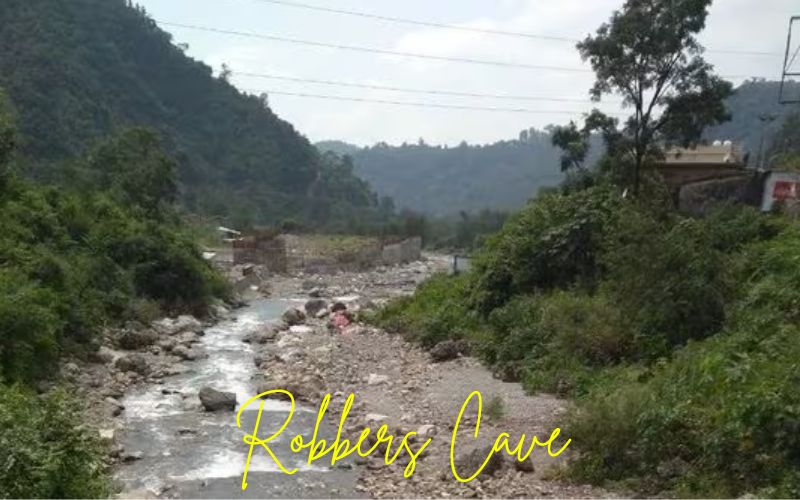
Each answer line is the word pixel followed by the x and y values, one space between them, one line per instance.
pixel 376 418
pixel 375 379
pixel 301 330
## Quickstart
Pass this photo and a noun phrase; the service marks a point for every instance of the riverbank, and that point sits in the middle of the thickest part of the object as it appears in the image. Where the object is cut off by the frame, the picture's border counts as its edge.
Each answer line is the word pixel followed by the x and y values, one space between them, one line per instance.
pixel 398 383
pixel 144 398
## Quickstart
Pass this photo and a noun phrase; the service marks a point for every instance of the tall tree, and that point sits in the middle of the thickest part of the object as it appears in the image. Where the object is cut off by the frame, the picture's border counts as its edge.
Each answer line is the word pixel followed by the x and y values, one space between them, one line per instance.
pixel 648 53
pixel 8 137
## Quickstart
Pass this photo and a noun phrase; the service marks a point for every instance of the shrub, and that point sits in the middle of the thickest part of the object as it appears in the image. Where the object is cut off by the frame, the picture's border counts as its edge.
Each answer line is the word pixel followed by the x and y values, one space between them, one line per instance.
pixel 556 342
pixel 722 418
pixel 669 278
pixel 30 328
pixel 436 312
pixel 554 242
pixel 47 452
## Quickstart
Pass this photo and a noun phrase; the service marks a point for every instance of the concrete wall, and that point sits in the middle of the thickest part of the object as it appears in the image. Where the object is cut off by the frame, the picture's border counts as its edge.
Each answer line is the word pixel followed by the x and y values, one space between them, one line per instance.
pixel 291 253
pixel 400 253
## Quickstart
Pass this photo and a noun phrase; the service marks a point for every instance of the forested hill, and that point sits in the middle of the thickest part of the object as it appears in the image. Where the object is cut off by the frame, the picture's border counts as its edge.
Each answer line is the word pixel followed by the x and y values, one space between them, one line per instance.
pixel 751 101
pixel 441 180
pixel 77 70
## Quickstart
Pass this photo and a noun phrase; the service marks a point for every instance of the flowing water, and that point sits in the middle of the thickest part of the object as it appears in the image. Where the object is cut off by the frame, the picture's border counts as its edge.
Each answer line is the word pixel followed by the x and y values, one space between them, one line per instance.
pixel 187 452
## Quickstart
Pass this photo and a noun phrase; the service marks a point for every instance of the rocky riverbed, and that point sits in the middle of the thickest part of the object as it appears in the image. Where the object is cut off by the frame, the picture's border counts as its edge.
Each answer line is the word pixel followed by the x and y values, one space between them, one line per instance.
pixel 409 389
pixel 144 387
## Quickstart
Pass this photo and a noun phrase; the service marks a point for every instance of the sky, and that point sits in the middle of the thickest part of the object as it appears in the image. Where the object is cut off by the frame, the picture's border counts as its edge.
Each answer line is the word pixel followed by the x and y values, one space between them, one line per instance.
pixel 738 25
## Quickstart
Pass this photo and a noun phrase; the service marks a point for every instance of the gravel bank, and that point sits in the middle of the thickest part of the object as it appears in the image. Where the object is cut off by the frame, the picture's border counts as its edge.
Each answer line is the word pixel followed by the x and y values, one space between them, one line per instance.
pixel 397 383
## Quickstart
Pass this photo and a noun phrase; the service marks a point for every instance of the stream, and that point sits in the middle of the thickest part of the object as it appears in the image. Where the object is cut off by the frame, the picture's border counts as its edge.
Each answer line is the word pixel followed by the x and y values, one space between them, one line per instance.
pixel 189 453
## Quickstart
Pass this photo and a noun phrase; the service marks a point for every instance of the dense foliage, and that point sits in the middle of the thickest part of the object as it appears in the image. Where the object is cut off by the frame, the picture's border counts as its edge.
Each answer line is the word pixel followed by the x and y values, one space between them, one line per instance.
pixel 437 180
pixel 115 68
pixel 106 246
pixel 74 259
pixel 677 335
pixel 47 450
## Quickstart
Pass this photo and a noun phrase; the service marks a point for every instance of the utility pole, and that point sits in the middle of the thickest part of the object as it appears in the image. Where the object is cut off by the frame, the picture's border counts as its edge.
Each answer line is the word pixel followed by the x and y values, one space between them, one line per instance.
pixel 789 60
pixel 766 119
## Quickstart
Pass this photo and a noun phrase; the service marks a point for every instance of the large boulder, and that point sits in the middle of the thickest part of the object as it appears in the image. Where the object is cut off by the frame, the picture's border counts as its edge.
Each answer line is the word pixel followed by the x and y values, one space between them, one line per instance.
pixel 263 336
pixel 133 363
pixel 449 350
pixel 314 306
pixel 468 463
pixel 214 400
pixel 294 316
pixel 133 340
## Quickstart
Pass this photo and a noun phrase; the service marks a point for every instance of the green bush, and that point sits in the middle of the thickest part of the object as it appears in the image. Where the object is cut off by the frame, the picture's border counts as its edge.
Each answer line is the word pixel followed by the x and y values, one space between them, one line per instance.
pixel 556 342
pixel 85 258
pixel 436 312
pixel 47 451
pixel 554 242
pixel 722 418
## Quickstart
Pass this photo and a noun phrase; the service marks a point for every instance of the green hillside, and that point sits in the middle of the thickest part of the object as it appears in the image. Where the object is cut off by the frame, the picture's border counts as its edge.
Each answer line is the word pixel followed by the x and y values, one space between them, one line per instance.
pixel 442 181
pixel 76 71
pixel 751 101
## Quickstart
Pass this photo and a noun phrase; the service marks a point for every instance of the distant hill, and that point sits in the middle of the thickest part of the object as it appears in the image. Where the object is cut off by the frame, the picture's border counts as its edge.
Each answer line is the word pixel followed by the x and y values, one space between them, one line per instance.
pixel 78 70
pixel 752 100
pixel 339 147
pixel 440 180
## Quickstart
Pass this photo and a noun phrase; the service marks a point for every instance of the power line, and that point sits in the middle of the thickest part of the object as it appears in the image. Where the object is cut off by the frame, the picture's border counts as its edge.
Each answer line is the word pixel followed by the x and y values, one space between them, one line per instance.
pixel 434 24
pixel 409 90
pixel 356 48
pixel 418 22
pixel 417 104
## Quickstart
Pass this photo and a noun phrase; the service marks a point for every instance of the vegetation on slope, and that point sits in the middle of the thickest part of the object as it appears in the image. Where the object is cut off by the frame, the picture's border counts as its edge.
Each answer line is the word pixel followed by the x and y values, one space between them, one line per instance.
pixel 114 68
pixel 106 247
pixel 676 336
pixel 467 178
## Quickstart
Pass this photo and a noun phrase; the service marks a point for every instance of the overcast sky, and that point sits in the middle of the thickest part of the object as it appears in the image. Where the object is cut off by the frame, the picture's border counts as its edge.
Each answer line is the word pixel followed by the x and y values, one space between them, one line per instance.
pixel 747 25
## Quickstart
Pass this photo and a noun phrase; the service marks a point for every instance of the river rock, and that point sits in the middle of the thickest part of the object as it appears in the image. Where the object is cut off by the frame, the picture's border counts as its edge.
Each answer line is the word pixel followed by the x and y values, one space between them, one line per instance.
pixel 263 336
pixel 133 340
pixel 167 343
pixel 426 431
pixel 301 330
pixel 214 400
pixel 448 350
pixel 131 456
pixel 133 363
pixel 104 355
pixel 116 407
pixel 470 462
pixel 314 306
pixel 524 466
pixel 375 379
pixel 185 353
pixel 219 311
pixel 307 388
pixel 169 326
pixel 294 316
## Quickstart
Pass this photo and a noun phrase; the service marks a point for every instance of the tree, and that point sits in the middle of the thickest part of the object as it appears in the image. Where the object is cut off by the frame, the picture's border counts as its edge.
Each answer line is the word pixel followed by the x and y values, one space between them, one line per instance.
pixel 133 166
pixel 574 143
pixel 648 54
pixel 8 137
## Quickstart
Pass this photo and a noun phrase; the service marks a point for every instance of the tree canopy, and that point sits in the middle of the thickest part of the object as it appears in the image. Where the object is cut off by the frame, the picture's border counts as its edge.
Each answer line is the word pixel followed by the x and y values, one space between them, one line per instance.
pixel 648 54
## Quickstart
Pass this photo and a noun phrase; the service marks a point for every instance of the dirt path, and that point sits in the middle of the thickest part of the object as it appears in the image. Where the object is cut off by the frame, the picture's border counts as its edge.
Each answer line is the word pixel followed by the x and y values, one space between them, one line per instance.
pixel 397 383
